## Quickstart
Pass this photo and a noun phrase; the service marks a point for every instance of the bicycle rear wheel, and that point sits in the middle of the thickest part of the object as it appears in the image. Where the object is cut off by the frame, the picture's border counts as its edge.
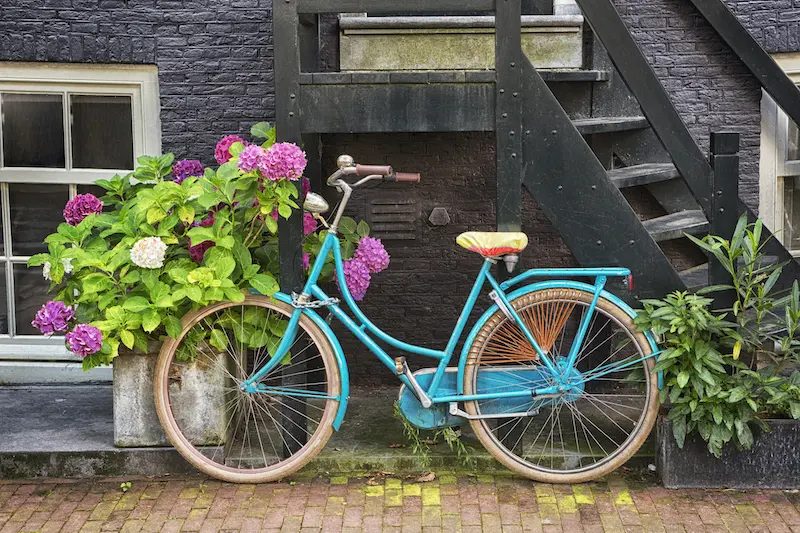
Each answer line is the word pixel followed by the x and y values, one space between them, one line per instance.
pixel 579 435
pixel 248 437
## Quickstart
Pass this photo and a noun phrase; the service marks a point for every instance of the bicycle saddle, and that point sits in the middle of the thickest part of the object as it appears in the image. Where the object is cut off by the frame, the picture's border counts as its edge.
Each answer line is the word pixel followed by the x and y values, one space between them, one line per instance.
pixel 493 243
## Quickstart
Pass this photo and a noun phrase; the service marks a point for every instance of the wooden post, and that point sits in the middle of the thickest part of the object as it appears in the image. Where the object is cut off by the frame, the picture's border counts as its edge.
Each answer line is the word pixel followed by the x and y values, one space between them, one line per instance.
pixel 724 159
pixel 290 231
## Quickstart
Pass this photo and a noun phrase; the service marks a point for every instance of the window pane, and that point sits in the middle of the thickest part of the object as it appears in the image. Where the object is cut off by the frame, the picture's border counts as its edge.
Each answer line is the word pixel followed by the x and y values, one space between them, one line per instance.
pixel 791 211
pixel 36 212
pixel 33 130
pixel 30 292
pixel 794 143
pixel 102 132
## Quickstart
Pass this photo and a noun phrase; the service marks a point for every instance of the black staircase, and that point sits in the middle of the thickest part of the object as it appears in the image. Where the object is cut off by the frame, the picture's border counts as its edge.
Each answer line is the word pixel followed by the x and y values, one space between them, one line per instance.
pixel 575 154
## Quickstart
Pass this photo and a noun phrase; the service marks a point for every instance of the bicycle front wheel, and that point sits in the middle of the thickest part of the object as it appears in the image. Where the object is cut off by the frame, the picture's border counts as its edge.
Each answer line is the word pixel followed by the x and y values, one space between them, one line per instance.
pixel 240 436
pixel 585 432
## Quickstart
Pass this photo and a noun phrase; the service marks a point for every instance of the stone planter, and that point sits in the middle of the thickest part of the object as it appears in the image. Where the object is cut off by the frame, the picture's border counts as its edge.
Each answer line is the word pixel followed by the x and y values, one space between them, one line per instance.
pixel 454 43
pixel 772 463
pixel 196 396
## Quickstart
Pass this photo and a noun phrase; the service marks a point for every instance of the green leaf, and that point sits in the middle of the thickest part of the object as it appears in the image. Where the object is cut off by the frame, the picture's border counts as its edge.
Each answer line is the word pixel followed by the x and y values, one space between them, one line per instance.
pixel 679 431
pixel 130 277
pixel 362 229
pixel 264 284
pixel 242 255
pixel 173 326
pixel 127 338
pixel 136 304
pixel 94 283
pixel 194 293
pixel 218 339
pixel 737 394
pixel 347 226
pixel 683 378
pixel 262 130
pixel 150 320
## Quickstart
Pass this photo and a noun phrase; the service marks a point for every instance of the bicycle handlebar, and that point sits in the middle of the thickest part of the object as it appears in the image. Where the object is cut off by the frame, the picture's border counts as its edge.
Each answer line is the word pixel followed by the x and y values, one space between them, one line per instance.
pixel 407 177
pixel 362 171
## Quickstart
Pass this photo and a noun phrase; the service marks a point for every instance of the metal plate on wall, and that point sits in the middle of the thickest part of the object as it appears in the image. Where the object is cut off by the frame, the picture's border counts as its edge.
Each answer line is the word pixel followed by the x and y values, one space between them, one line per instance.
pixel 393 215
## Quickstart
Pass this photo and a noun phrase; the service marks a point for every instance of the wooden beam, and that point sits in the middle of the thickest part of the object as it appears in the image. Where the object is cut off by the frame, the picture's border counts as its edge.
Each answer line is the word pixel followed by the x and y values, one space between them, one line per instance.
pixel 653 98
pixel 391 6
pixel 771 77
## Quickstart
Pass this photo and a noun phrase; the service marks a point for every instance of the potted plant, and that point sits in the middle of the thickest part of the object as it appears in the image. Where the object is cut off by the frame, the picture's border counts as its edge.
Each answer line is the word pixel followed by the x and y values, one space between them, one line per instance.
pixel 731 379
pixel 169 238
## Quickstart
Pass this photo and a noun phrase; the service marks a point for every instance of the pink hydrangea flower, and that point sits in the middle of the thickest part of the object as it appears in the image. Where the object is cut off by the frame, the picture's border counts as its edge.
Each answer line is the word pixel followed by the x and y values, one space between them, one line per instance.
pixel 357 278
pixel 84 340
pixel 274 214
pixel 198 251
pixel 185 168
pixel 53 317
pixel 251 157
pixel 283 161
pixel 309 223
pixel 222 151
pixel 306 260
pixel 81 207
pixel 306 184
pixel 372 253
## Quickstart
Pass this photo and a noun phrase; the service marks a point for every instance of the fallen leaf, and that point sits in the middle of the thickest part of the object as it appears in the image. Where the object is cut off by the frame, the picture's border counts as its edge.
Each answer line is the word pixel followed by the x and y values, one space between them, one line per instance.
pixel 426 478
pixel 396 445
pixel 372 481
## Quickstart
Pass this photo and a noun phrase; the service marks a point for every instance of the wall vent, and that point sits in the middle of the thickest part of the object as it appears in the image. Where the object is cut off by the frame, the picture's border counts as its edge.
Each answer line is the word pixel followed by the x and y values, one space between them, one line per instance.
pixel 392 216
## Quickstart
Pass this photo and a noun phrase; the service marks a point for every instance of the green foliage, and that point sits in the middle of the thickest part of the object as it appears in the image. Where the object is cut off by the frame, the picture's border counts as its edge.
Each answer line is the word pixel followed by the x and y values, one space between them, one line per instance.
pixel 125 486
pixel 134 306
pixel 421 447
pixel 712 390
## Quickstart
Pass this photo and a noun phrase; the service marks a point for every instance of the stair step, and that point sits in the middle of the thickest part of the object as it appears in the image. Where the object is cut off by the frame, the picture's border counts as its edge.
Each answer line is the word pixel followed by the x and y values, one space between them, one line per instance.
pixel 590 126
pixel 642 174
pixel 440 76
pixel 674 225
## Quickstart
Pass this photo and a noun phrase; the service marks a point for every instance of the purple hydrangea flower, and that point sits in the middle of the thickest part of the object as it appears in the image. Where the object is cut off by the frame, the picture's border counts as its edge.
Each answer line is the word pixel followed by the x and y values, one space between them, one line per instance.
pixel 309 223
pixel 53 317
pixel 306 260
pixel 80 207
pixel 222 151
pixel 372 253
pixel 357 278
pixel 185 168
pixel 251 157
pixel 84 340
pixel 306 184
pixel 283 161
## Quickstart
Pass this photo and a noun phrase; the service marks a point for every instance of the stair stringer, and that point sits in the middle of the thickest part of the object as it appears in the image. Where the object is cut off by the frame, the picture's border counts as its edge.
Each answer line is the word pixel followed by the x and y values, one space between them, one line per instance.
pixel 572 188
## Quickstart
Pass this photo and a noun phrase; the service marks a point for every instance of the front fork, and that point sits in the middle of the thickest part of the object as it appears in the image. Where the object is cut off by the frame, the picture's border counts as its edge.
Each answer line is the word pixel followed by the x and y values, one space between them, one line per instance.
pixel 251 383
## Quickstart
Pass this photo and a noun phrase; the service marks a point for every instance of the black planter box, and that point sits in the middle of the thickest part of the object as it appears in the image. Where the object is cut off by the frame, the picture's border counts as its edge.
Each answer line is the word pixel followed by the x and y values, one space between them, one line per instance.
pixel 772 463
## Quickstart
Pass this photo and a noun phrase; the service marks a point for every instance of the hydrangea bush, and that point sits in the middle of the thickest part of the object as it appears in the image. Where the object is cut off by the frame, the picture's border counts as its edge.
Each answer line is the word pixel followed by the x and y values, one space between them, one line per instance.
pixel 174 236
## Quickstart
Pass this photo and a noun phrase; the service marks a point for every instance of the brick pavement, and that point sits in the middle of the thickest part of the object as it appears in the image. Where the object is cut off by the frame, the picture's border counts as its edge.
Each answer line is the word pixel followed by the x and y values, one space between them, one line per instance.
pixel 339 504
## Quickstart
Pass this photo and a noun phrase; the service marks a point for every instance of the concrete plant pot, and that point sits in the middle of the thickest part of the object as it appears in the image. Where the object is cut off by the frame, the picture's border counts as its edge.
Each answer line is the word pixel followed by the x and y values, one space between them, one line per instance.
pixel 196 395
pixel 454 42
pixel 772 462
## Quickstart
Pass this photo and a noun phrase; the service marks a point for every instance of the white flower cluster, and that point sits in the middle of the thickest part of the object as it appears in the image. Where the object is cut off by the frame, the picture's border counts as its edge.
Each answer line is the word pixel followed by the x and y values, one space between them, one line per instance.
pixel 149 252
pixel 46 268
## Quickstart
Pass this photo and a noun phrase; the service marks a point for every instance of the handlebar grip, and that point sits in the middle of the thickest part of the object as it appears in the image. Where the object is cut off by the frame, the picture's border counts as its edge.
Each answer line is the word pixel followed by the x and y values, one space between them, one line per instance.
pixel 369 170
pixel 408 177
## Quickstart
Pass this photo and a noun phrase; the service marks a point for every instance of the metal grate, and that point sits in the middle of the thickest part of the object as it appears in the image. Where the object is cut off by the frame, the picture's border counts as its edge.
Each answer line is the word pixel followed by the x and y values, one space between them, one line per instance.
pixel 392 216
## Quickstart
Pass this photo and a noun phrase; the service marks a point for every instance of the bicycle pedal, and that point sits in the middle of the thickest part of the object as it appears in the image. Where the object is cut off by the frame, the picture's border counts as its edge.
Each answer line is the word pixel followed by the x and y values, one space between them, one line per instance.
pixel 400 365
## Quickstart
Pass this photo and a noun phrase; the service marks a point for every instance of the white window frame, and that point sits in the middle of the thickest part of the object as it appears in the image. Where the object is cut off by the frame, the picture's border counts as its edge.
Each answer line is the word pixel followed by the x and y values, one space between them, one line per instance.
pixel 140 83
pixel 774 165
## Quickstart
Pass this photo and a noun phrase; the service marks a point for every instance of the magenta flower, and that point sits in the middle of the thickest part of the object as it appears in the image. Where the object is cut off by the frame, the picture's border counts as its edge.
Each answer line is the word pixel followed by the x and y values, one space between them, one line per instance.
pixel 80 207
pixel 251 157
pixel 283 161
pixel 53 317
pixel 222 151
pixel 185 168
pixel 84 340
pixel 372 253
pixel 306 184
pixel 309 223
pixel 306 260
pixel 357 278
pixel 274 214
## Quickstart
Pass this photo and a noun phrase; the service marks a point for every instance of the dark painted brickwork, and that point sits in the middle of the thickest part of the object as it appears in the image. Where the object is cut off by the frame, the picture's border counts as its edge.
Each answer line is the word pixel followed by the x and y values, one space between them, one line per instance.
pixel 214 56
pixel 418 298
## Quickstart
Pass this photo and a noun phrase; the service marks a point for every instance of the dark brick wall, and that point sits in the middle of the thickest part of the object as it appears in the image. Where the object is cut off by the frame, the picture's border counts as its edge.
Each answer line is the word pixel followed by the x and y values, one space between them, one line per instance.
pixel 214 56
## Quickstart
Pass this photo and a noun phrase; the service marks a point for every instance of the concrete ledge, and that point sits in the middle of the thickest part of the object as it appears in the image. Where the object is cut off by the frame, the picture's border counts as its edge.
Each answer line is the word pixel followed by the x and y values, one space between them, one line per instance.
pixel 454 43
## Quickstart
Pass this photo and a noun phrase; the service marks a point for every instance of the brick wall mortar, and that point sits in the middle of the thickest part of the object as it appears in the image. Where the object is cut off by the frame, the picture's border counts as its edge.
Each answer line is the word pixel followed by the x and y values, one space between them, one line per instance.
pixel 214 58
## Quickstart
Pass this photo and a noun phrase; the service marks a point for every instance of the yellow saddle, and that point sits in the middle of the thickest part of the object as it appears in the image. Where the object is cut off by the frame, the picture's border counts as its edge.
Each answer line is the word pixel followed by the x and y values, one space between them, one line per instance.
pixel 493 243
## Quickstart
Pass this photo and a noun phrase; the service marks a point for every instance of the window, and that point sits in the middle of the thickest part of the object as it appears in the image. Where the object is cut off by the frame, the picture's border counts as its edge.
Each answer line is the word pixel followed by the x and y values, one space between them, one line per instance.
pixel 61 128
pixel 779 203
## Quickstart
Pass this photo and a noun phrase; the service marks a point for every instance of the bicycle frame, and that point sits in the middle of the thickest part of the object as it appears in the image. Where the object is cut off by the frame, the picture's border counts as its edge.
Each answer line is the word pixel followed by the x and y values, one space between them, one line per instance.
pixel 363 328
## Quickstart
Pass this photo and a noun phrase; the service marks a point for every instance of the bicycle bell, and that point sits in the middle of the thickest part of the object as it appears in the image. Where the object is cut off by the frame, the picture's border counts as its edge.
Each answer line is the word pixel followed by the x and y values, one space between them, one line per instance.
pixel 315 203
pixel 345 160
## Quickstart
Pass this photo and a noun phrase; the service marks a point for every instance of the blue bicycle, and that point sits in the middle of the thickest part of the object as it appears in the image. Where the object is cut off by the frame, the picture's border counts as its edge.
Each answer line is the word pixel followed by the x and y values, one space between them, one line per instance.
pixel 554 379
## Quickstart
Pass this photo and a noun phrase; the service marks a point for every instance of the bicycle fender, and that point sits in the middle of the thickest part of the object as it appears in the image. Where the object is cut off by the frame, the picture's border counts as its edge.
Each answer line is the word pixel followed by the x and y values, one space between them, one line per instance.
pixel 338 353
pixel 551 284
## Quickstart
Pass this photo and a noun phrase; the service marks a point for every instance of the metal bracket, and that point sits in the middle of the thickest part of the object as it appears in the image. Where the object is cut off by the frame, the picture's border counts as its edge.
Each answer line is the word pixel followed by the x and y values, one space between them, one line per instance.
pixel 496 299
pixel 303 301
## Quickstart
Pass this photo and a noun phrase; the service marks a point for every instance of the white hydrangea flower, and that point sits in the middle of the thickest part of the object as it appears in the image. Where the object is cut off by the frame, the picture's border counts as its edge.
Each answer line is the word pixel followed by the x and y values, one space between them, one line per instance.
pixel 46 268
pixel 149 252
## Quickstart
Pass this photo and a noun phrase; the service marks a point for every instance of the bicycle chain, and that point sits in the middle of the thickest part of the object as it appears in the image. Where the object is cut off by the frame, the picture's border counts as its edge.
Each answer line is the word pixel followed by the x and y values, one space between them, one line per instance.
pixel 316 304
